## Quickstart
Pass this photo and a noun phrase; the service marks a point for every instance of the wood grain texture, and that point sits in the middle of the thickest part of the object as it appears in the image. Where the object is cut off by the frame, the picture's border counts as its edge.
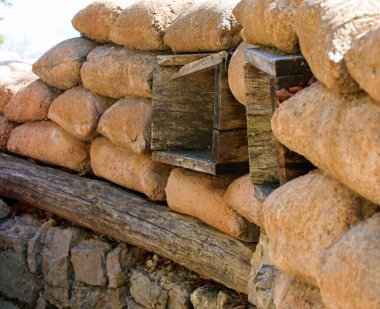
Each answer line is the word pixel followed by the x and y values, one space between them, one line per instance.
pixel 127 217
pixel 176 60
pixel 230 146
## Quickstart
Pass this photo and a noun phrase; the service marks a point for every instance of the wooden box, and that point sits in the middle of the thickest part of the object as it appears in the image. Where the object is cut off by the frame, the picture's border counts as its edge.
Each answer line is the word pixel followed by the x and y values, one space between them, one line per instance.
pixel 269 71
pixel 197 123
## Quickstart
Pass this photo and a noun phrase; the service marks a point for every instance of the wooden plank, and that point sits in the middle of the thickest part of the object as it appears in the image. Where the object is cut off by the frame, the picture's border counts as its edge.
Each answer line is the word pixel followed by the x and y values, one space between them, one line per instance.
pixel 182 110
pixel 200 161
pixel 275 62
pixel 228 113
pixel 127 217
pixel 230 146
pixel 201 65
pixel 179 60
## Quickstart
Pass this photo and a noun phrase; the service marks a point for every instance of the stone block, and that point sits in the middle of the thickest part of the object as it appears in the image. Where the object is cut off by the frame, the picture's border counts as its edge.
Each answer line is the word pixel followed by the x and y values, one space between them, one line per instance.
pixel 4 210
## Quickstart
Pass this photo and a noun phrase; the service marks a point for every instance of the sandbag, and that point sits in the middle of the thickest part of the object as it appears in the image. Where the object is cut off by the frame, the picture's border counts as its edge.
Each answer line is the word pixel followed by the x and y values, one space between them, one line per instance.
pixel 127 123
pixel 307 215
pixel 10 84
pixel 78 110
pixel 363 62
pixel 31 103
pixel 207 26
pixel 269 23
pixel 338 133
pixel 142 24
pixel 236 73
pixel 60 65
pixel 326 31
pixel 117 72
pixel 201 196
pixel 351 273
pixel 121 166
pixel 6 128
pixel 47 142
pixel 96 20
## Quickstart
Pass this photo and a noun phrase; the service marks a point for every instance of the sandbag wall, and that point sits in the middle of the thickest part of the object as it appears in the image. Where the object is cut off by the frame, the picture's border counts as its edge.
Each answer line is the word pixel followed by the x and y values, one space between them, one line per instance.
pixel 321 232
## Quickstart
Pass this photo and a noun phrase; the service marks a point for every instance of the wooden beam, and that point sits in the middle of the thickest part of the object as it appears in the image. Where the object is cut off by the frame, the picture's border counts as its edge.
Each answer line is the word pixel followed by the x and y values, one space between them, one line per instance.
pixel 127 217
pixel 179 60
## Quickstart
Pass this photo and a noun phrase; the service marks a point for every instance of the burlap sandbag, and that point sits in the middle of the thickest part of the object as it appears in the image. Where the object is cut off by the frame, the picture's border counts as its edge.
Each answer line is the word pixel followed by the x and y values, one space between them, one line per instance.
pixel 201 196
pixel 117 72
pixel 60 65
pixel 326 31
pixel 269 22
pixel 338 133
pixel 12 83
pixel 96 20
pixel 142 24
pixel 78 110
pixel 31 103
pixel 127 123
pixel 6 128
pixel 120 165
pixel 47 142
pixel 207 26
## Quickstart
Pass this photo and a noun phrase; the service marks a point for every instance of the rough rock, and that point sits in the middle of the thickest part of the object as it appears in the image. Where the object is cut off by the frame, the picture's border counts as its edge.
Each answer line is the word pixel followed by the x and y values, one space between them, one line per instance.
pixel 269 23
pixel 263 287
pixel 212 21
pixel 205 297
pixel 291 293
pixel 16 282
pixel 6 128
pixel 127 169
pixel 46 141
pixel 131 304
pixel 337 133
pixel 202 196
pixel 127 123
pixel 304 217
pixel 60 66
pixel 363 62
pixel 30 103
pixel 4 304
pixel 5 210
pixel 326 31
pixel 142 24
pixel 236 73
pixel 351 273
pixel 78 110
pixel 247 199
pixel 96 20
pixel 98 298
pixel 42 303
pixel 11 83
pixel 117 72
pixel 89 261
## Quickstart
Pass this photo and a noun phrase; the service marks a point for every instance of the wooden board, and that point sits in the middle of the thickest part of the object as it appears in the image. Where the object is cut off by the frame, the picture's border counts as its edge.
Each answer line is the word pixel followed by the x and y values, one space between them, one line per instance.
pixel 128 217
pixel 230 146
pixel 179 60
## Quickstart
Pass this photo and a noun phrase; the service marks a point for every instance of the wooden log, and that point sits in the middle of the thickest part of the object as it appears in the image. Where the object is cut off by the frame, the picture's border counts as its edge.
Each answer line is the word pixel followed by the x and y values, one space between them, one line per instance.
pixel 127 217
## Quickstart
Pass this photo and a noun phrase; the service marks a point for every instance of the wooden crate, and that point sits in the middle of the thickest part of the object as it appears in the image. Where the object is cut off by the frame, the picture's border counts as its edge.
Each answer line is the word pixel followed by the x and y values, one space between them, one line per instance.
pixel 197 123
pixel 269 70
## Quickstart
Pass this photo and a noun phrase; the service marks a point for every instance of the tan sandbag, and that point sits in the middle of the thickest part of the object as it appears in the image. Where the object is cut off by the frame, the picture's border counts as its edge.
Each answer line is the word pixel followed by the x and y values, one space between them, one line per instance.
pixel 201 196
pixel 326 31
pixel 363 62
pixel 117 72
pixel 31 103
pixel 127 123
pixel 60 65
pixel 47 142
pixel 307 215
pixel 269 23
pixel 78 110
pixel 10 84
pixel 338 133
pixel 236 74
pixel 121 166
pixel 247 199
pixel 6 128
pixel 143 23
pixel 96 20
pixel 351 273
pixel 207 26
pixel 289 293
